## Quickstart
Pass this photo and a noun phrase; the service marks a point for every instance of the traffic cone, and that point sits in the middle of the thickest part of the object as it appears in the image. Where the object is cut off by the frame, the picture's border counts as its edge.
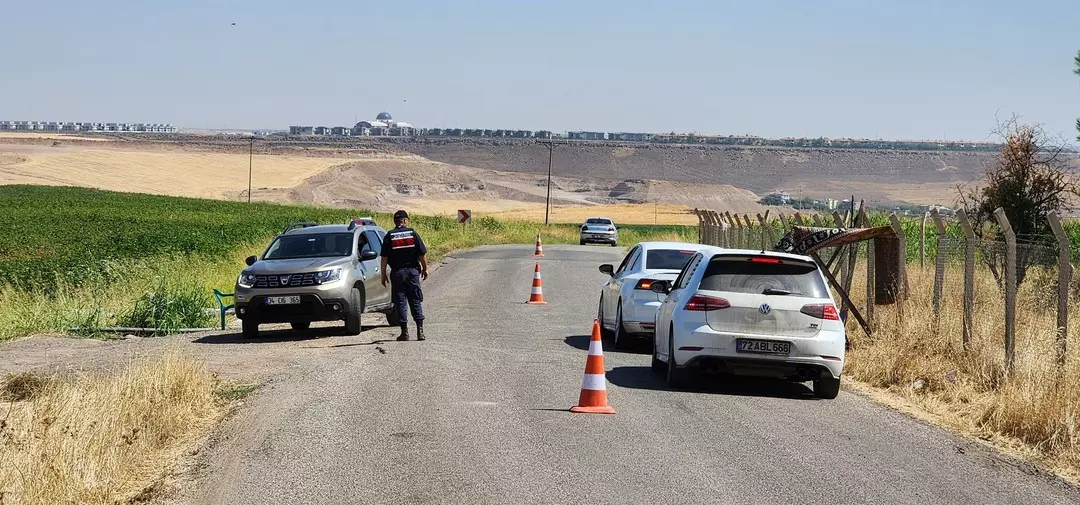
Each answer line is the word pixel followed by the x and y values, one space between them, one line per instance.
pixel 593 398
pixel 539 247
pixel 537 296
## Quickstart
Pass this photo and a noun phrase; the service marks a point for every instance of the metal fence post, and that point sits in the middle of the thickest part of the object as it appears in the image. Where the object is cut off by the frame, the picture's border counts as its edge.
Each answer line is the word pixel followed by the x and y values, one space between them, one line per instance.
pixel 1010 287
pixel 1065 274
pixel 939 265
pixel 969 276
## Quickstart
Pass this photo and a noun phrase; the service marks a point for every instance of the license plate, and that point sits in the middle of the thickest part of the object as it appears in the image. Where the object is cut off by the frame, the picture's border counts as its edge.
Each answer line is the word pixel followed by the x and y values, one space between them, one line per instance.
pixel 763 346
pixel 283 300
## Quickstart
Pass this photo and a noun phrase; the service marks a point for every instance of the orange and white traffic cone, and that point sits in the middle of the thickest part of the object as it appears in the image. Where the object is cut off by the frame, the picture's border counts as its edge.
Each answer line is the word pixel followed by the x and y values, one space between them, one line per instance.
pixel 537 296
pixel 593 398
pixel 539 247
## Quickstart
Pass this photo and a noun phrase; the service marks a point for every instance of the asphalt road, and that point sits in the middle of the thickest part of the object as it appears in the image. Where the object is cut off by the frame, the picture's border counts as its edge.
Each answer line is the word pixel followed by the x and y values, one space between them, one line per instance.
pixel 478 414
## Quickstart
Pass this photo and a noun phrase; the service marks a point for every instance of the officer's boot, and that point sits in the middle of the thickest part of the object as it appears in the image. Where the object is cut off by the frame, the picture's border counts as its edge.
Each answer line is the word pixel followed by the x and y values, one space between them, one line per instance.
pixel 404 332
pixel 419 331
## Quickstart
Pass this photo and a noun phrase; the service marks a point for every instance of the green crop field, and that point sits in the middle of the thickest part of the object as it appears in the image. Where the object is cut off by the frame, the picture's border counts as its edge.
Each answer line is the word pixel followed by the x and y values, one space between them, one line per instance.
pixel 72 257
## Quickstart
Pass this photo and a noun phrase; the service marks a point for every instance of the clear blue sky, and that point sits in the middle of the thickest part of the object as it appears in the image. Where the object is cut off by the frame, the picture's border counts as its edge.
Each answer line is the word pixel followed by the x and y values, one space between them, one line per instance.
pixel 863 68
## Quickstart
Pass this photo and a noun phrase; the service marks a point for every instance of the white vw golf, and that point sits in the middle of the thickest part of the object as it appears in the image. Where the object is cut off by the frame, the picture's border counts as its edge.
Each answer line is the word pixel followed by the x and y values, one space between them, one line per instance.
pixel 627 304
pixel 754 313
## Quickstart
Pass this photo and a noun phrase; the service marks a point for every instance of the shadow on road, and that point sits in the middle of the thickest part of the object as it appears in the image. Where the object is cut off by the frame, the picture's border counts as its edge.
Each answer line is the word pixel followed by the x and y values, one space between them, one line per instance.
pixel 272 336
pixel 642 377
pixel 637 346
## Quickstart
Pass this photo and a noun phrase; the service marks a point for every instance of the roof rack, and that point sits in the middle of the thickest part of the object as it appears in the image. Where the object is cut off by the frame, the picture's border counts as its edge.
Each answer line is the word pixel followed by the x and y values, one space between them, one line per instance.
pixel 305 224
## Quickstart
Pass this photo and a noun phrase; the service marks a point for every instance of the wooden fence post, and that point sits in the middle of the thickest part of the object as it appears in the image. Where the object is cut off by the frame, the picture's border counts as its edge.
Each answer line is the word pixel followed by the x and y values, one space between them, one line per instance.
pixel 738 230
pixel 902 252
pixel 799 219
pixel 749 231
pixel 784 222
pixel 1065 274
pixel 767 239
pixel 969 276
pixel 922 241
pixel 870 273
pixel 725 237
pixel 700 226
pixel 1010 287
pixel 715 225
pixel 939 265
pixel 817 221
pixel 845 268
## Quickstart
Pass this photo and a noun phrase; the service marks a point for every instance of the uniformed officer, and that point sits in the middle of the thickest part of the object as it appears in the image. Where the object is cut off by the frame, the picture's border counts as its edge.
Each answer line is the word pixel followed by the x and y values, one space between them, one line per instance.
pixel 405 253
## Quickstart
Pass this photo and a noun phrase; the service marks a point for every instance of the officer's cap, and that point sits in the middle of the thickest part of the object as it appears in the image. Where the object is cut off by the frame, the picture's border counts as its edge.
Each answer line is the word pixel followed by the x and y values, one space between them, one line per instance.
pixel 401 214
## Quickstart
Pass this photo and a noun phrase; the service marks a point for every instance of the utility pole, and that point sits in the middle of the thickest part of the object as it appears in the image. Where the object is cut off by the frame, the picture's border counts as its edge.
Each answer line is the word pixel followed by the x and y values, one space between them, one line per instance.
pixel 251 155
pixel 547 208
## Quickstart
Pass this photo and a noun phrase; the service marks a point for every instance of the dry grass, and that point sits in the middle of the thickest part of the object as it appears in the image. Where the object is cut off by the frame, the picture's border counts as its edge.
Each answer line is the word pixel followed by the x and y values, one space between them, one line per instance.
pixel 174 173
pixel 920 358
pixel 105 438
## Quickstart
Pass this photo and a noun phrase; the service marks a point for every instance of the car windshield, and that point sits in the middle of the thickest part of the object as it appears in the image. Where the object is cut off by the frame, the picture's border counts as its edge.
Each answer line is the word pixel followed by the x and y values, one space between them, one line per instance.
pixel 739 275
pixel 598 221
pixel 310 245
pixel 667 259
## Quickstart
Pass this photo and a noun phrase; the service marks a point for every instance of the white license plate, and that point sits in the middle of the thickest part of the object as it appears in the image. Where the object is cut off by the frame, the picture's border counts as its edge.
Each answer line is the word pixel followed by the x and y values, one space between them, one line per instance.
pixel 762 346
pixel 283 300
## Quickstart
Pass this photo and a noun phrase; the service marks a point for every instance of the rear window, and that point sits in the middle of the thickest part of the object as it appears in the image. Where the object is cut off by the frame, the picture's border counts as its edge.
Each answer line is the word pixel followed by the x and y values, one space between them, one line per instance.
pixel 739 275
pixel 597 221
pixel 667 259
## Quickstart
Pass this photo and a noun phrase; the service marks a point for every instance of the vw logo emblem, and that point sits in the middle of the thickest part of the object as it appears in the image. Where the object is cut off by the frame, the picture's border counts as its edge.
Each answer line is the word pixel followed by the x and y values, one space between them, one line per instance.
pixel 284 279
pixel 764 308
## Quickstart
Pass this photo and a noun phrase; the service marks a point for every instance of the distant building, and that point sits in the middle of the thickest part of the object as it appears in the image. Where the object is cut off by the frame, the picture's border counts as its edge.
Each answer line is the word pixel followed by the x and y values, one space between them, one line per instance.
pixel 586 135
pixel 301 130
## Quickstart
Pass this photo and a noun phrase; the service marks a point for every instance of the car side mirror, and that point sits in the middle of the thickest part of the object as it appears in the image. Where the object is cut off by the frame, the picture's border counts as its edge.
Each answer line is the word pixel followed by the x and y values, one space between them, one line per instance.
pixel 662 287
pixel 368 254
pixel 251 260
pixel 607 269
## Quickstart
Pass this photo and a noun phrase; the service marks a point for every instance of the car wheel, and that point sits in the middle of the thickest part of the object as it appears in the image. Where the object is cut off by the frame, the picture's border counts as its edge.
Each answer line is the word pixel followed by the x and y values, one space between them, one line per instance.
pixel 827 388
pixel 614 244
pixel 250 329
pixel 657 365
pixel 676 377
pixel 581 242
pixel 301 326
pixel 618 337
pixel 356 310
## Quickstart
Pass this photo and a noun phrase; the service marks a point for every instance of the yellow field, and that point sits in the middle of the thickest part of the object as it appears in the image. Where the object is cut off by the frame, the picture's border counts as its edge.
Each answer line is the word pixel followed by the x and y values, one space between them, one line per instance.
pixel 179 173
pixel 54 136
pixel 627 213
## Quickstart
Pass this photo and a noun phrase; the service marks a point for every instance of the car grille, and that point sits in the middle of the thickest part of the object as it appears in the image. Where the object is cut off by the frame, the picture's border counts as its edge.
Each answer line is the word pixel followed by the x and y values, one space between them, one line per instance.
pixel 284 280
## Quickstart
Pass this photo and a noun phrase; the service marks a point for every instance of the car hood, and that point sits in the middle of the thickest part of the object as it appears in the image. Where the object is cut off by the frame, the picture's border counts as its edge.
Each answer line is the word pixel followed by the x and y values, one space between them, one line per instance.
pixel 299 265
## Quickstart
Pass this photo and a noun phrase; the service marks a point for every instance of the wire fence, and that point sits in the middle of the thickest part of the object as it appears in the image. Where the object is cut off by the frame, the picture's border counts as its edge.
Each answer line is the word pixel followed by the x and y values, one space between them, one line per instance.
pixel 965 269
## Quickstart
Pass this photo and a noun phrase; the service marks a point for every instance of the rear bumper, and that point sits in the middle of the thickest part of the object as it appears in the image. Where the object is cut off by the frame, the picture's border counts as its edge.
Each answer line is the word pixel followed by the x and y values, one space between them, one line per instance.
pixel 601 238
pixel 707 350
pixel 639 316
pixel 311 308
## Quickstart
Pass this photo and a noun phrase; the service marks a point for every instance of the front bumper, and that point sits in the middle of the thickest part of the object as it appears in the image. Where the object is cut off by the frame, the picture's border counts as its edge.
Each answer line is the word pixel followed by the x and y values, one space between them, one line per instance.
pixel 311 308
pixel 706 350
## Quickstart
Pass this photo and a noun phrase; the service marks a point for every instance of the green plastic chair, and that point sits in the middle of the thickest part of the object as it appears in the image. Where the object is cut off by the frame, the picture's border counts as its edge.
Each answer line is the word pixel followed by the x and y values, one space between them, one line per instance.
pixel 221 304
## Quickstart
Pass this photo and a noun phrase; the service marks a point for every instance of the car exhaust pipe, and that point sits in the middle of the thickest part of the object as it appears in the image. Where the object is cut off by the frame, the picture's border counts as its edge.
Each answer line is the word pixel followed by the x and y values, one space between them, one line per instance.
pixel 803 373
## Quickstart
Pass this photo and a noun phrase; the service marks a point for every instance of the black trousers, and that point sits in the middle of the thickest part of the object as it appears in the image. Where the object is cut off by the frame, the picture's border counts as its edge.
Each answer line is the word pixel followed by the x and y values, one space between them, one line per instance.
pixel 405 289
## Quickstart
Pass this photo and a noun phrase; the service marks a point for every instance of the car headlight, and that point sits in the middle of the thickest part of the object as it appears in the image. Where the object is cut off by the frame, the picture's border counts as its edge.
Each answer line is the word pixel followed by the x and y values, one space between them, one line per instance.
pixel 246 280
pixel 328 276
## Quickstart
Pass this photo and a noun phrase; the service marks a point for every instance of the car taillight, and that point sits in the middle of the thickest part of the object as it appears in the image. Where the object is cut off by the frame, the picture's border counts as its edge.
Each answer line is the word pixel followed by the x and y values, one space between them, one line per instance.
pixel 771 261
pixel 825 311
pixel 706 303
pixel 645 284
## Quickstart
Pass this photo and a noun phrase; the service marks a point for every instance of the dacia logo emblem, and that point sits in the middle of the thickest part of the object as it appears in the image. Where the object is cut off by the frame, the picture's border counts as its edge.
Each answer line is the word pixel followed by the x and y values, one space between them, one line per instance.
pixel 284 279
pixel 765 308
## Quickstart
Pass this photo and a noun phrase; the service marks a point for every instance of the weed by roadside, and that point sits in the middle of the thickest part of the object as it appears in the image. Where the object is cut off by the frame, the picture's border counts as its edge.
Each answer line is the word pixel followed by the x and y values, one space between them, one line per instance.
pixel 23 386
pixel 100 439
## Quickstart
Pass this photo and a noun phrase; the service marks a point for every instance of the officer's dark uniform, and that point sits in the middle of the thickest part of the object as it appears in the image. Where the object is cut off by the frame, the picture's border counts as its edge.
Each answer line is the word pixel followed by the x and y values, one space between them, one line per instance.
pixel 402 250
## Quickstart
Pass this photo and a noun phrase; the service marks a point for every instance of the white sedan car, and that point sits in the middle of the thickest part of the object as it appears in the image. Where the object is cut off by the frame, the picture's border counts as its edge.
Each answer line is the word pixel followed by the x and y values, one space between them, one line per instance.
pixel 627 304
pixel 754 313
